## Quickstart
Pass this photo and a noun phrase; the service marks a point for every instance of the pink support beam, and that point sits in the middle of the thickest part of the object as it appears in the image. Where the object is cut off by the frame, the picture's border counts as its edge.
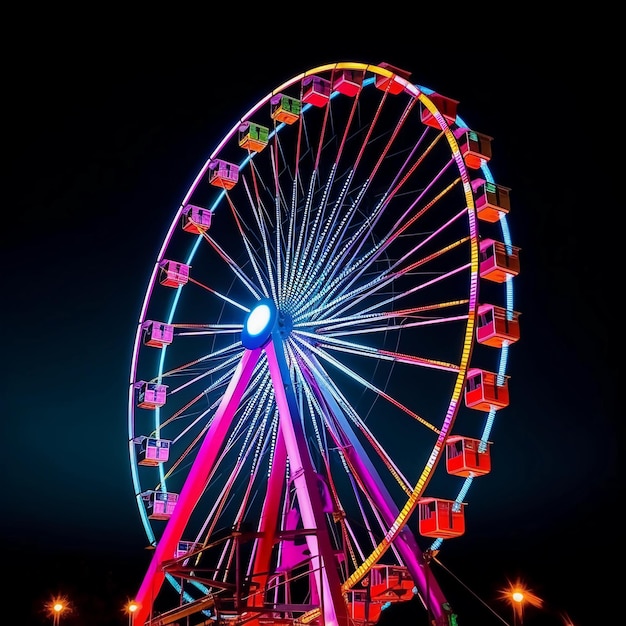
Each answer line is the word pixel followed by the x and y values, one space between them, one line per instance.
pixel 194 486
pixel 269 519
pixel 333 604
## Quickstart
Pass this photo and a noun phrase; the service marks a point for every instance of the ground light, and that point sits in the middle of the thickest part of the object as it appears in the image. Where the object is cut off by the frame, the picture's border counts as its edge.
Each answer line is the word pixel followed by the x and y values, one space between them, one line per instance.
pixel 56 607
pixel 130 608
pixel 518 606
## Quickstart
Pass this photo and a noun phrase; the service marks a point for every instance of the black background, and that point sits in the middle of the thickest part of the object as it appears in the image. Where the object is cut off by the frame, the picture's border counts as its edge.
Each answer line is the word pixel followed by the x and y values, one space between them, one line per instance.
pixel 107 121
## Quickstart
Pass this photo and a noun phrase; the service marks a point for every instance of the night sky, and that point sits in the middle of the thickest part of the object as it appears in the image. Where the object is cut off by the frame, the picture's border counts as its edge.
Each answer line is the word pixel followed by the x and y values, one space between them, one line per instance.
pixel 105 132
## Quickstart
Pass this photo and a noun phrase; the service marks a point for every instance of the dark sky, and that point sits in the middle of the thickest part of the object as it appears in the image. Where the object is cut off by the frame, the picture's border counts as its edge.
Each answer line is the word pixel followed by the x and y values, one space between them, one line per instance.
pixel 104 134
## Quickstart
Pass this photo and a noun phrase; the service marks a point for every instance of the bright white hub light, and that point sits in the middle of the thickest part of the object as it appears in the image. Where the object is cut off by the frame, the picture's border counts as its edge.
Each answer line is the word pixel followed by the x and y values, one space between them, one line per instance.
pixel 258 319
pixel 259 324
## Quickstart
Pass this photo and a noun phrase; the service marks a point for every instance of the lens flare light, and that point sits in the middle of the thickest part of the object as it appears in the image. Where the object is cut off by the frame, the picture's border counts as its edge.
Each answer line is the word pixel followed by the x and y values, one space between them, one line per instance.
pixel 517 595
pixel 57 606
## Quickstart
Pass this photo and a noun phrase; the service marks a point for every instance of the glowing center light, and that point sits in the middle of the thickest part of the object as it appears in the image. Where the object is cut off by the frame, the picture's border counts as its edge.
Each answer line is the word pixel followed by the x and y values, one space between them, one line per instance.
pixel 518 596
pixel 258 319
pixel 259 324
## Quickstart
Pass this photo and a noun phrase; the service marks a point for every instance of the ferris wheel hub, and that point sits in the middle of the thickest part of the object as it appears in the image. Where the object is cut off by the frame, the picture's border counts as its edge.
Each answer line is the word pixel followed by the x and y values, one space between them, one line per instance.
pixel 261 321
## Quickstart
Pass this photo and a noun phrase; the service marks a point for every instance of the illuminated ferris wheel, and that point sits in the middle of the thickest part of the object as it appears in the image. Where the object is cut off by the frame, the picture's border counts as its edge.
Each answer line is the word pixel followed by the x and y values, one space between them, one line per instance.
pixel 320 357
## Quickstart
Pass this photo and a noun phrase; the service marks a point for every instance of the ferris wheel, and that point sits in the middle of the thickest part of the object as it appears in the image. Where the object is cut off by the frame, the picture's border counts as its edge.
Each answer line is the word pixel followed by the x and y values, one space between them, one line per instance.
pixel 320 357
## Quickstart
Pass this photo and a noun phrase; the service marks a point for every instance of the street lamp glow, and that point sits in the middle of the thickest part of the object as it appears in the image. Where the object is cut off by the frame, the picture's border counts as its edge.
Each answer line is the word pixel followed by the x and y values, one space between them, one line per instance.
pixel 56 607
pixel 131 608
pixel 517 595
